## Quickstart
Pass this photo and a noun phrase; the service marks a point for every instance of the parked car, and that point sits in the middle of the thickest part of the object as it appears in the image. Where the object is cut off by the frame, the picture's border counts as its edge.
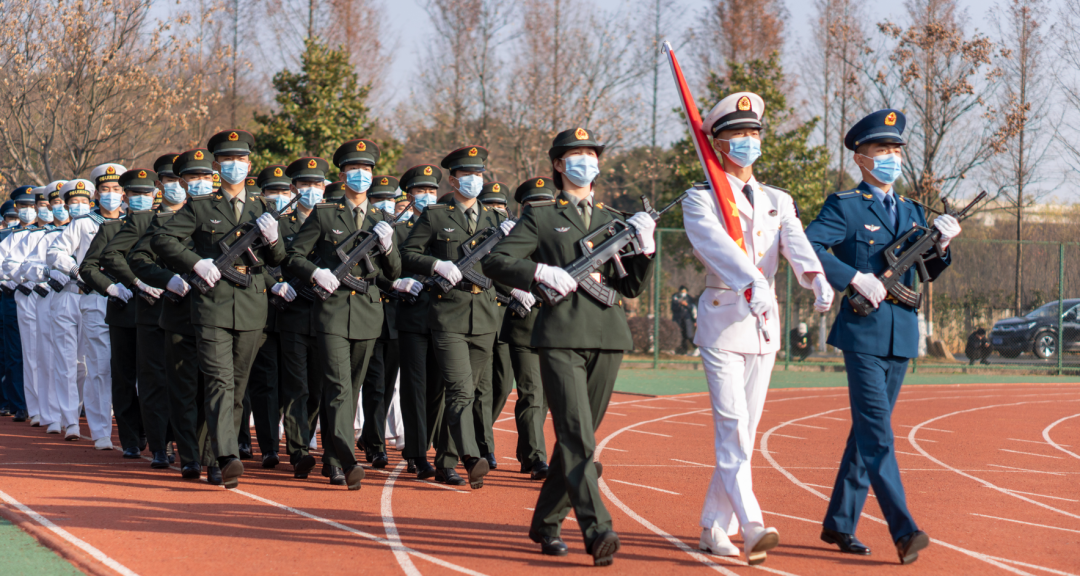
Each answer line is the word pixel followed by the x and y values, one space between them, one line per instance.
pixel 1037 332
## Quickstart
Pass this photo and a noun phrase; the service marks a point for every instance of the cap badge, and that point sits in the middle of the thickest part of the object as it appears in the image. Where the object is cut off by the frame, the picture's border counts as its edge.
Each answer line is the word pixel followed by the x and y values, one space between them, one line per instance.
pixel 312 164
pixel 217 177
pixel 472 152
pixel 59 185
pixel 581 134
pixel 198 155
pixel 539 182
pixel 233 136
pixel 80 186
pixel 890 120
pixel 277 172
pixel 142 173
pixel 384 182
pixel 496 188
pixel 744 104
pixel 250 181
pixel 427 170
pixel 361 146
pixel 110 170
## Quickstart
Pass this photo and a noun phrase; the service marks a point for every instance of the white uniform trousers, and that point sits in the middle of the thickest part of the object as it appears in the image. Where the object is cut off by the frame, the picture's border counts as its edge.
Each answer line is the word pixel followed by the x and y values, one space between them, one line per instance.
pixel 395 427
pixel 97 389
pixel 48 403
pixel 737 387
pixel 66 356
pixel 27 311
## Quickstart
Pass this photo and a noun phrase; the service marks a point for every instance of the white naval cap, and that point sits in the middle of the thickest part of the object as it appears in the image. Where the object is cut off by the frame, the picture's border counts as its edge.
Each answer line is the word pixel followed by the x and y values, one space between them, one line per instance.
pixel 78 188
pixel 739 110
pixel 106 173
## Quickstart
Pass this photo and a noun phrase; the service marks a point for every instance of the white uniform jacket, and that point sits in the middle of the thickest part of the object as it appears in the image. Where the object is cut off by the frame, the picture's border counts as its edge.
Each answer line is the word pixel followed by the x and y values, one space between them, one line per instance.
pixel 770 228
pixel 70 248
pixel 13 251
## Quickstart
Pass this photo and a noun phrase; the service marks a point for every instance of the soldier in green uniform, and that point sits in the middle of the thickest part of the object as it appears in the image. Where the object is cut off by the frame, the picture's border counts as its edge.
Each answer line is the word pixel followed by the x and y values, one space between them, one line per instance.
pixel 580 341
pixel 229 318
pixel 150 351
pixel 422 393
pixel 463 321
pixel 262 372
pixel 334 191
pixel 348 322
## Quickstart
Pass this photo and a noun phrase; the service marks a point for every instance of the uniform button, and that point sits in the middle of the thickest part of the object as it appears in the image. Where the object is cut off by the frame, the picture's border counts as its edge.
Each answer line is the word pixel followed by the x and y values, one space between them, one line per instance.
pixel 440 296
pixel 353 293
pixel 715 302
pixel 871 242
pixel 760 254
pixel 759 232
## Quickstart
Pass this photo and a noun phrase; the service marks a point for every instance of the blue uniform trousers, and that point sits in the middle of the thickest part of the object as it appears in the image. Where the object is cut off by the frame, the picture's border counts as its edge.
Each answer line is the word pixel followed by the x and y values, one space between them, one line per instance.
pixel 870 458
pixel 13 358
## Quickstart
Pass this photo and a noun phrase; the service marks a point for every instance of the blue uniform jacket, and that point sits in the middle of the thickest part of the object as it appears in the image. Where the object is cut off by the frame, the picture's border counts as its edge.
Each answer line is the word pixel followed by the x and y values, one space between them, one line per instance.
pixel 856 227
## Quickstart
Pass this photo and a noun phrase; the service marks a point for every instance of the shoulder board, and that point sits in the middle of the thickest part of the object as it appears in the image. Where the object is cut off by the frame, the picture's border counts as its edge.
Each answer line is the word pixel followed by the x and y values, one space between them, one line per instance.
pixel 701 185
pixel 161 215
pixel 848 194
pixel 542 203
pixel 326 205
pixel 140 212
pixel 92 216
pixel 436 207
pixel 55 229
pixel 113 221
pixel 202 198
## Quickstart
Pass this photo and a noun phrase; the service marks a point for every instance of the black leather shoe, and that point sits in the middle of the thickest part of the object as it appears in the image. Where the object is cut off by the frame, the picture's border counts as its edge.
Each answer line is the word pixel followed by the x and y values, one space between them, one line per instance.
pixel 5 412
pixel 526 467
pixel 424 470
pixel 360 445
pixel 213 475
pixel 411 466
pixel 449 477
pixel 171 458
pixel 492 464
pixel 599 469
pixel 539 471
pixel 353 476
pixel 132 453
pixel 477 469
pixel 231 471
pixel 847 543
pixel 603 549
pixel 549 545
pixel 907 547
pixel 337 476
pixel 161 460
pixel 380 461
pixel 245 452
pixel 270 460
pixel 302 465
pixel 142 443
pixel 369 456
pixel 20 416
pixel 191 471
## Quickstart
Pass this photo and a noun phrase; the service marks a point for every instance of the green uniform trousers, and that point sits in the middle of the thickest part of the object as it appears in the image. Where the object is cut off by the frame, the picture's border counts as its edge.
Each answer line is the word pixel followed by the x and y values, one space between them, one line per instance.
pixel 379 393
pixel 346 362
pixel 578 385
pixel 187 399
pixel 465 361
pixel 225 358
pixel 125 397
pixel 263 392
pixel 301 390
pixel 153 386
pixel 491 400
pixel 530 410
pixel 243 433
pixel 422 393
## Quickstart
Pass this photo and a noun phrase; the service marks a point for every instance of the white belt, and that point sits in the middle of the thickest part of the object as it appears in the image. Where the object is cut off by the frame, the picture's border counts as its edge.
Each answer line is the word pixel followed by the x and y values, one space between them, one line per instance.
pixel 714 281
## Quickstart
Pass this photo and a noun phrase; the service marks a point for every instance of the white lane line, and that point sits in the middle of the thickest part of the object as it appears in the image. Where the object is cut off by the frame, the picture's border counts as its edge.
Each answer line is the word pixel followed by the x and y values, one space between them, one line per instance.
pixel 504 430
pixel 651 433
pixel 809 426
pixel 908 453
pixel 437 485
pixel 68 536
pixel 1030 453
pixel 1036 441
pixel 688 462
pixel 680 400
pixel 1026 565
pixel 568 517
pixel 1026 523
pixel 613 414
pixel 649 487
pixel 831 418
pixel 868 493
pixel 783 436
pixel 617 450
pixel 1015 469
pixel 504 419
pixel 1043 495
pixel 655 407
pixel 818 522
pixel 655 398
pixel 776 465
pixel 686 423
pixel 509 458
pixel 1046 436
pixel 390 526
pixel 934 429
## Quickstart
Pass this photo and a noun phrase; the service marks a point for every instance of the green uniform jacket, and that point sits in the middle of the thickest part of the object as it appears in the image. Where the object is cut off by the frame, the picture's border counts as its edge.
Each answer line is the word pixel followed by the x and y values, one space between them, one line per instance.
pixel 206 220
pixel 346 313
pixel 438 235
pixel 145 264
pixel 411 317
pixel 517 330
pixel 123 316
pixel 299 317
pixel 114 262
pixel 548 233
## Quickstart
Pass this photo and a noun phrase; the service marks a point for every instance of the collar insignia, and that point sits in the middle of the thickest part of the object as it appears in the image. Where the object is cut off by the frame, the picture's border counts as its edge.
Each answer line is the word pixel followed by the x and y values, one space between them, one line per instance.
pixel 563 202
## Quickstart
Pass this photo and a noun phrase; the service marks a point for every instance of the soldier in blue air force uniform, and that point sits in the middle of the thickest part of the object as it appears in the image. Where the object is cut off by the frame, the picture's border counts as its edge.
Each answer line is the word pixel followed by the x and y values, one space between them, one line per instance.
pixel 858 226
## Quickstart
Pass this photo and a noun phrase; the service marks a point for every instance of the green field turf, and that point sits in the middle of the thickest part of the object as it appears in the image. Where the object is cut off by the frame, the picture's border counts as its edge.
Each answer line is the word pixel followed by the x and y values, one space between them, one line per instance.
pixel 20 553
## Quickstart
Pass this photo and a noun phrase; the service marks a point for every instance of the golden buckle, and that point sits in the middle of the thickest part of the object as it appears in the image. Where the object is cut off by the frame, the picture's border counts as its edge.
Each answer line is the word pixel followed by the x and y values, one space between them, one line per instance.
pixel 476 289
pixel 241 269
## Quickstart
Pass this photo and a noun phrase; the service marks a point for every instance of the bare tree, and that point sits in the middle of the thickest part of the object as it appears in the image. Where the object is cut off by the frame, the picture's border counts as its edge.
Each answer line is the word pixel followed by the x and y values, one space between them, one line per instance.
pixel 738 31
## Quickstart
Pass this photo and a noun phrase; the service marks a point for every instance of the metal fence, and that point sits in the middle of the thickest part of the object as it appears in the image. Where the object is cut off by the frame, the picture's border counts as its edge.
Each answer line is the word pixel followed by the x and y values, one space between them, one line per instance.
pixel 979 290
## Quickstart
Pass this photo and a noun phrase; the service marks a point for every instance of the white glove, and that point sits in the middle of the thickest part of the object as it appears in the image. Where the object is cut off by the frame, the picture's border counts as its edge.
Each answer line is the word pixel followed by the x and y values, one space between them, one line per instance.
pixel 448 270
pixel 325 279
pixel 762 300
pixel 207 271
pixel 36 272
pixel 507 226
pixel 268 225
pixel 386 236
pixel 408 285
pixel 526 298
pixel 177 285
pixel 949 227
pixel 154 292
pixel 554 277
pixel 59 277
pixel 63 262
pixel 823 293
pixel 870 287
pixel 119 292
pixel 645 226
pixel 282 289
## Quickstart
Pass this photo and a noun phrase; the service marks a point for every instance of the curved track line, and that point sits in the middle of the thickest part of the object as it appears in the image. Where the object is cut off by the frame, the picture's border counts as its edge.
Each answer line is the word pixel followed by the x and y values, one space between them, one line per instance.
pixel 1046 436
pixel 915 444
pixel 765 452
pixel 400 554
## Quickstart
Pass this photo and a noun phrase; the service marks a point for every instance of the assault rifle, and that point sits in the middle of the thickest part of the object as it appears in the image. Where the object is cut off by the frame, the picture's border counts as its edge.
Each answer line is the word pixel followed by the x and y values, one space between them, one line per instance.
pixel 612 249
pixel 361 254
pixel 74 275
pixel 516 307
pixel 476 247
pixel 925 248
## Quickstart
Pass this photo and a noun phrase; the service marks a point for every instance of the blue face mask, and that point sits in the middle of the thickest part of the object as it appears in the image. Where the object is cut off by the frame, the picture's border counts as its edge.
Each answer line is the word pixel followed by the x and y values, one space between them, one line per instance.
pixel 582 169
pixel 27 215
pixel 280 201
pixel 111 200
pixel 60 214
pixel 385 206
pixel 423 201
pixel 234 171
pixel 140 202
pixel 200 187
pixel 358 180
pixel 173 193
pixel 44 214
pixel 79 210
pixel 744 151
pixel 405 216
pixel 470 186
pixel 310 196
pixel 886 168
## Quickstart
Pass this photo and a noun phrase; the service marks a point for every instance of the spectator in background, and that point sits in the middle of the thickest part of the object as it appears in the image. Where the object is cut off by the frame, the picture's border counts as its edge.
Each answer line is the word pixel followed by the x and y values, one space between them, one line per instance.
pixel 978 347
pixel 801 346
pixel 682 314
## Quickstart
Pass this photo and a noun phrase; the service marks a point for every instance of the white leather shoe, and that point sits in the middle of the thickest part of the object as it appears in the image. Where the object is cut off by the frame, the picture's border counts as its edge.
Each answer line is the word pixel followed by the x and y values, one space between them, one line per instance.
pixel 72 432
pixel 35 421
pixel 715 541
pixel 53 428
pixel 757 541
pixel 313 444
pixel 103 444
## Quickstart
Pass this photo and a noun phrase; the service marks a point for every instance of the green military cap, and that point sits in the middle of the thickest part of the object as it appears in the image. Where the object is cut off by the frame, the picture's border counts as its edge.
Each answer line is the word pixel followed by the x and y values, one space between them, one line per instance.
pixel 164 165
pixel 217 181
pixel 536 188
pixel 197 161
pixel 308 168
pixel 359 151
pixel 251 185
pixel 157 198
pixel 422 175
pixel 138 180
pixel 493 193
pixel 231 143
pixel 470 158
pixel 401 197
pixel 274 178
pixel 577 138
pixel 334 191
pixel 383 188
